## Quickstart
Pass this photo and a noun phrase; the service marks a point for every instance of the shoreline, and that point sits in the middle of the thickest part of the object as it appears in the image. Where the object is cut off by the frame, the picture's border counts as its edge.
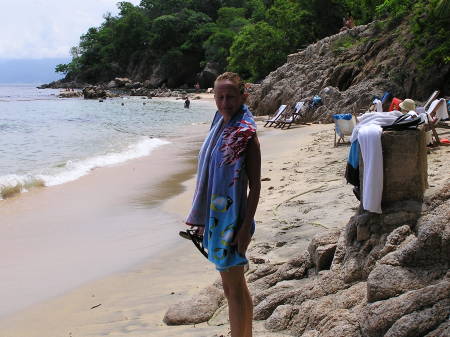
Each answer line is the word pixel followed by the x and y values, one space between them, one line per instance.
pixel 92 211
pixel 304 193
pixel 179 269
pixel 16 181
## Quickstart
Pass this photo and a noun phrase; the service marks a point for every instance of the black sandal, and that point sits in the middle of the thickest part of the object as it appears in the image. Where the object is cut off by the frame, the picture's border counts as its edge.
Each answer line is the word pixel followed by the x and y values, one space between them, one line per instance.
pixel 196 238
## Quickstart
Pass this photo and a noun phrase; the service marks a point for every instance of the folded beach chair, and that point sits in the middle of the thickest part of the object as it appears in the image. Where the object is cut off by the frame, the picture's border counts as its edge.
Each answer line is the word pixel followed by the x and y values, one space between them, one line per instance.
pixel 433 96
pixel 343 126
pixel 289 119
pixel 277 115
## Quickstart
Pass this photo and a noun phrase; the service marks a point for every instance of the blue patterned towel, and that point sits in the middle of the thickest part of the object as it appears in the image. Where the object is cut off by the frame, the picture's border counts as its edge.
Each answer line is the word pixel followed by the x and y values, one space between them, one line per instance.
pixel 220 195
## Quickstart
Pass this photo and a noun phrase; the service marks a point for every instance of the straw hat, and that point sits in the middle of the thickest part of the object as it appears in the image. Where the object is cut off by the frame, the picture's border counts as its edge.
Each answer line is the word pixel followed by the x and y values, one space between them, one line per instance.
pixel 408 105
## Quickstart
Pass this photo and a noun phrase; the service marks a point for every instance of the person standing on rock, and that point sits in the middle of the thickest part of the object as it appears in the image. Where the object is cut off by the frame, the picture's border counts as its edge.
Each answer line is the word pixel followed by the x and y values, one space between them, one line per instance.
pixel 222 212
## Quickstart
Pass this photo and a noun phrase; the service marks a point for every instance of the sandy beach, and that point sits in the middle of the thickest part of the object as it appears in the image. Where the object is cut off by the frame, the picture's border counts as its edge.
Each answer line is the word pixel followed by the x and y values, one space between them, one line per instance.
pixel 303 193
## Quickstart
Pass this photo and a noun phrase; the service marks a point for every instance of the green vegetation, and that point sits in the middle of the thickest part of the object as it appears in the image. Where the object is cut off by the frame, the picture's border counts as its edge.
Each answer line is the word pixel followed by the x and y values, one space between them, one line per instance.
pixel 252 37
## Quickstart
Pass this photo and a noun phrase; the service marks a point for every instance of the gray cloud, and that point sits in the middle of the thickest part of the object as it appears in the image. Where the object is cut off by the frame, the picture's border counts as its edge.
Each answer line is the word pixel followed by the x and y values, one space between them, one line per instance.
pixel 48 28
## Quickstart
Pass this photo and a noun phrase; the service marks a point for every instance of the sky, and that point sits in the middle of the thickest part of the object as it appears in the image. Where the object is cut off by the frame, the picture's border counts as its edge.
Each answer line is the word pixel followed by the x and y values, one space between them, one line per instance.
pixel 41 29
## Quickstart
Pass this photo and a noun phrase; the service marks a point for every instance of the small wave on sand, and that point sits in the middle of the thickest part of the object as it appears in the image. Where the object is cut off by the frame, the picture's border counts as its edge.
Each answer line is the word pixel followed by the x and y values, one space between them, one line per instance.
pixel 12 184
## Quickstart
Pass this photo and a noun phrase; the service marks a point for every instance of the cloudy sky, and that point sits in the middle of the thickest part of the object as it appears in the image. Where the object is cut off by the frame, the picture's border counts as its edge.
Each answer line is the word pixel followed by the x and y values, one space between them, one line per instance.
pixel 36 29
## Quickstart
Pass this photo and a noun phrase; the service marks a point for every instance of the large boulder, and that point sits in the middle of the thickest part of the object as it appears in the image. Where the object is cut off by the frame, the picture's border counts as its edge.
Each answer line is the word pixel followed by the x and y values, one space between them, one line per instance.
pixel 208 75
pixel 198 309
pixel 70 94
pixel 94 93
pixel 322 248
pixel 121 81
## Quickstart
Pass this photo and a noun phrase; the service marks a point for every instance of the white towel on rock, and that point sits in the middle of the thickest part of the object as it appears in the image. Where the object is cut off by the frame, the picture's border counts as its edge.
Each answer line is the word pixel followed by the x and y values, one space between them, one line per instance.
pixel 369 139
pixel 368 133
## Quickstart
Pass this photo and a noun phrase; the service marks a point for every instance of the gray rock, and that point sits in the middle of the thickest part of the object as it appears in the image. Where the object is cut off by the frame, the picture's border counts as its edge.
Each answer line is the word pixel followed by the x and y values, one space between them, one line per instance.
pixel 261 271
pixel 322 248
pixel 387 281
pixel 112 84
pixel 198 309
pixel 330 313
pixel 295 268
pixel 208 75
pixel 378 317
pixel 419 322
pixel 95 93
pixel 327 283
pixel 121 81
pixel 70 94
pixel 280 318
pixel 442 330
pixel 220 317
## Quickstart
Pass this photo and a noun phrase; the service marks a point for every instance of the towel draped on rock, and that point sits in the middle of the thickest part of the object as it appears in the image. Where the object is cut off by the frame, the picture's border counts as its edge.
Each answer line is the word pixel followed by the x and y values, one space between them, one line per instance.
pixel 220 195
pixel 366 136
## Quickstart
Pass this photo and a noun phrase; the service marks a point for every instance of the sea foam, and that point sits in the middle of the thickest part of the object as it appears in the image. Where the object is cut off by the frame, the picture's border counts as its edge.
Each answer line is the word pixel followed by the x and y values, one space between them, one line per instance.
pixel 72 170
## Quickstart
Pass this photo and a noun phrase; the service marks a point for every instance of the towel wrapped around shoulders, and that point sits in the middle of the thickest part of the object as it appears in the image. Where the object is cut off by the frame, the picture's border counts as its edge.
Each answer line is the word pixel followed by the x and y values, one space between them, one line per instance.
pixel 220 195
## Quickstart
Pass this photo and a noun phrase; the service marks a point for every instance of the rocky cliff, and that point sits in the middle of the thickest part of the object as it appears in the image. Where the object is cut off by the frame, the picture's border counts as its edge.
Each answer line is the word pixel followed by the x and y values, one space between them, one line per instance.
pixel 381 275
pixel 348 69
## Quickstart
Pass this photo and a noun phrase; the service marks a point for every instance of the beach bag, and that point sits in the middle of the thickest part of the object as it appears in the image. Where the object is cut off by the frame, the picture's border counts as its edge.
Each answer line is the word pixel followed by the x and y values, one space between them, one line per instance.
pixel 317 100
pixel 404 122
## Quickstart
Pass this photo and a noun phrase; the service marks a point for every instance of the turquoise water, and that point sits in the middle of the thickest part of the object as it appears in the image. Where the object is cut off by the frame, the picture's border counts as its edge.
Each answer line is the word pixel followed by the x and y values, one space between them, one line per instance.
pixel 46 140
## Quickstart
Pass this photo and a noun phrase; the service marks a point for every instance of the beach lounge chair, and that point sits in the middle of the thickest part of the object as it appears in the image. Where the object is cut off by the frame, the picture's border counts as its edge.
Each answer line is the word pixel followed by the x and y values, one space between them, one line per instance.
pixel 437 111
pixel 343 126
pixel 277 115
pixel 289 119
pixel 433 96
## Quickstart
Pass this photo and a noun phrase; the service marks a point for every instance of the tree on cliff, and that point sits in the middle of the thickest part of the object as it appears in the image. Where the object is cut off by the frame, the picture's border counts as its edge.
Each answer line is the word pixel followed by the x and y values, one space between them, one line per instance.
pixel 171 40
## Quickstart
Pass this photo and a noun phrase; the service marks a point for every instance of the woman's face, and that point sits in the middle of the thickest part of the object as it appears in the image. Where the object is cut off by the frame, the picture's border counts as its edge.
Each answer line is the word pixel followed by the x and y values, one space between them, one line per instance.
pixel 228 98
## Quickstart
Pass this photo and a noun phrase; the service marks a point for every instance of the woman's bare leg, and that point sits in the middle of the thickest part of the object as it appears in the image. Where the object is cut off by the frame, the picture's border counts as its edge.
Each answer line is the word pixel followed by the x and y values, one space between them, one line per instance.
pixel 240 305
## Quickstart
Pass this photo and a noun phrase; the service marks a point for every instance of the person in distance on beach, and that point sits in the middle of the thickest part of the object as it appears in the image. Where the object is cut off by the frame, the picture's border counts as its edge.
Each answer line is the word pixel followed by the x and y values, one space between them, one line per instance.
pixel 222 210
pixel 187 103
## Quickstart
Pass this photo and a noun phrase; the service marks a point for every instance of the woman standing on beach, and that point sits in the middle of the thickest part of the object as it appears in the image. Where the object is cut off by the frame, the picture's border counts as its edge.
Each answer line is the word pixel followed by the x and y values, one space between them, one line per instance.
pixel 222 211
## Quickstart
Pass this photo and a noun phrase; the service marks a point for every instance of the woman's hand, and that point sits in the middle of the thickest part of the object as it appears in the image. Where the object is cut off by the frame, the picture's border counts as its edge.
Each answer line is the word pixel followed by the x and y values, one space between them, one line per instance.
pixel 242 239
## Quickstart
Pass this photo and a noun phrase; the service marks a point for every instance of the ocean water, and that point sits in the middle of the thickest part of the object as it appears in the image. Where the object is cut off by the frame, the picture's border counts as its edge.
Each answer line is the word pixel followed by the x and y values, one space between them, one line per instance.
pixel 46 140
pixel 58 241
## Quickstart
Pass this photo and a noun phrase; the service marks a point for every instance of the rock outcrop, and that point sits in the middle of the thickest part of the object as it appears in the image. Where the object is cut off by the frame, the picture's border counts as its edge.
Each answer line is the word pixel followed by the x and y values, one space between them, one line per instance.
pixel 94 92
pixel 389 302
pixel 381 275
pixel 346 70
pixel 70 94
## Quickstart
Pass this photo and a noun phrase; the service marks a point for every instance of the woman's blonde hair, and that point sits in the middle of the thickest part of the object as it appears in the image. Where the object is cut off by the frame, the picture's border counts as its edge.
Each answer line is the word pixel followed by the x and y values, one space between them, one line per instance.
pixel 233 77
